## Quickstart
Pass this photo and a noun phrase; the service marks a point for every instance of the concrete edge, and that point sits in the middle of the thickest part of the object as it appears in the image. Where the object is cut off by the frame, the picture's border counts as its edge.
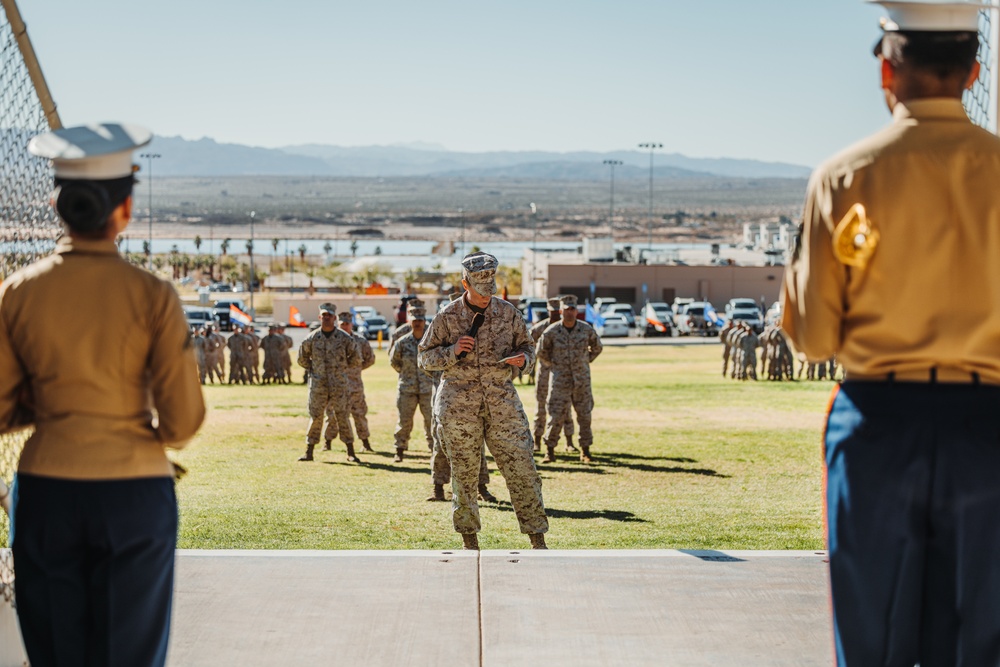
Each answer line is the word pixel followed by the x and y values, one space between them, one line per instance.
pixel 702 554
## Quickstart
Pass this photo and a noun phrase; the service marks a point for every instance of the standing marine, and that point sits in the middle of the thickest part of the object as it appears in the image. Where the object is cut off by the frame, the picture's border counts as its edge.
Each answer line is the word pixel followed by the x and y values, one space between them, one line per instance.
pixel 326 354
pixel 896 274
pixel 544 373
pixel 480 343
pixel 415 385
pixel 569 347
pixel 357 405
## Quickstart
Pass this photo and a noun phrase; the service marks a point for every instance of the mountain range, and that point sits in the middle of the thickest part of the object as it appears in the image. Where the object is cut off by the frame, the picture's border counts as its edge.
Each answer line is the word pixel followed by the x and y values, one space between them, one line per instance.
pixel 206 157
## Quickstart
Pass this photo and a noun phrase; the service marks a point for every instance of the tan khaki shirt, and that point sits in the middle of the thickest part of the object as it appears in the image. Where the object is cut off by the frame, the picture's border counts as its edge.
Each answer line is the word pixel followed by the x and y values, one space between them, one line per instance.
pixel 928 296
pixel 93 344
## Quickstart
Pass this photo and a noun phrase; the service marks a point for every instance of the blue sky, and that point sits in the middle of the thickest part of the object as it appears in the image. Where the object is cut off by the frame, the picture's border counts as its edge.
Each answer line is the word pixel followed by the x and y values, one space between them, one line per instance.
pixel 790 80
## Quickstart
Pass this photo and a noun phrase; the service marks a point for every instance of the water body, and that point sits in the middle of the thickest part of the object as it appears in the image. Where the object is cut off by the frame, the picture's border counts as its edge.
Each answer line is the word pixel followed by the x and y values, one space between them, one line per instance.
pixel 506 252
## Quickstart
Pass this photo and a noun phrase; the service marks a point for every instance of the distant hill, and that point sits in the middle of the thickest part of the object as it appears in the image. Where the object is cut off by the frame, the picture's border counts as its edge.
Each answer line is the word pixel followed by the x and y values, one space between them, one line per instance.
pixel 206 157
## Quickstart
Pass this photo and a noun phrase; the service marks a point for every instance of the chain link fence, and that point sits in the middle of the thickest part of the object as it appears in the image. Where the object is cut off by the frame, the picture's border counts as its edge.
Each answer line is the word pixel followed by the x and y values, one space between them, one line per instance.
pixel 980 99
pixel 28 226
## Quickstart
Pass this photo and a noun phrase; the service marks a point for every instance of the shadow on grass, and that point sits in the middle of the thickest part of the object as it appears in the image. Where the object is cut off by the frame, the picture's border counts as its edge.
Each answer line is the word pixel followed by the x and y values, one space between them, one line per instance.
pixel 374 465
pixel 636 457
pixel 712 556
pixel 552 513
pixel 589 469
pixel 613 462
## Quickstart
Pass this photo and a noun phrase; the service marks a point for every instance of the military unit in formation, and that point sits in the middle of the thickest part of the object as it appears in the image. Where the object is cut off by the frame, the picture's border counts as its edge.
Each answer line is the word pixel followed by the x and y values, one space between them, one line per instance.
pixel 777 362
pixel 244 355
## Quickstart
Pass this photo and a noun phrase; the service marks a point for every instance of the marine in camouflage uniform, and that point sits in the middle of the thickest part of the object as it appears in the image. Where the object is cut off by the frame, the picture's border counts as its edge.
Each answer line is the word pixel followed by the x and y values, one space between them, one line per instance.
pixel 198 343
pixel 356 403
pixel 286 356
pixel 273 346
pixel 440 465
pixel 569 347
pixel 237 345
pixel 415 385
pixel 252 354
pixel 214 358
pixel 326 354
pixel 542 383
pixel 405 327
pixel 478 400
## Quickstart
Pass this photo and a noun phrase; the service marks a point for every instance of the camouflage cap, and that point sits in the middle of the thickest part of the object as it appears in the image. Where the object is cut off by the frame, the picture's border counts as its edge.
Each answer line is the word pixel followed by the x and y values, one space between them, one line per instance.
pixel 567 301
pixel 480 269
pixel 328 308
pixel 554 304
pixel 415 303
pixel 417 314
pixel 345 317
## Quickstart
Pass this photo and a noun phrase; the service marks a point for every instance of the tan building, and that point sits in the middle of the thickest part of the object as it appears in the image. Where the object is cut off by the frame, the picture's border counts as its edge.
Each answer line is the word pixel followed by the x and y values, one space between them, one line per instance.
pixel 708 275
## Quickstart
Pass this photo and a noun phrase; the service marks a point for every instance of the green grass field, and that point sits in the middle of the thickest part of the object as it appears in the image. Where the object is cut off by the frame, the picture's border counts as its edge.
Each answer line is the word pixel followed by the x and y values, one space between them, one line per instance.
pixel 682 459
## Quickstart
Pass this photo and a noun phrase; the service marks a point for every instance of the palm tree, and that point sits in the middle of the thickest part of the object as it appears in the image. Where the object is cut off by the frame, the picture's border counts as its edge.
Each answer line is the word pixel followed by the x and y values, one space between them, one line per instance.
pixel 197 243
pixel 225 246
pixel 327 248
pixel 302 252
pixel 354 248
pixel 378 250
pixel 274 245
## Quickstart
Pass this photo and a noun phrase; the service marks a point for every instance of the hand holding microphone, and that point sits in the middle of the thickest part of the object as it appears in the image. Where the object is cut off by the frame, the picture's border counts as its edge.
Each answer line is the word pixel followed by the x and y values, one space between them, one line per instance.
pixel 464 344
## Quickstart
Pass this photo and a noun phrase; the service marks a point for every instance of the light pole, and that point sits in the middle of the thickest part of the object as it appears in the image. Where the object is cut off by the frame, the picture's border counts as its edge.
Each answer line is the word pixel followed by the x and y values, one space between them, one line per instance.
pixel 652 146
pixel 253 214
pixel 150 157
pixel 534 246
pixel 611 212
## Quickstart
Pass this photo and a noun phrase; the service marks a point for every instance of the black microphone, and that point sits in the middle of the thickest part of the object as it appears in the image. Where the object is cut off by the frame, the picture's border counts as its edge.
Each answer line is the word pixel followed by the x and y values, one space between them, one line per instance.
pixel 477 321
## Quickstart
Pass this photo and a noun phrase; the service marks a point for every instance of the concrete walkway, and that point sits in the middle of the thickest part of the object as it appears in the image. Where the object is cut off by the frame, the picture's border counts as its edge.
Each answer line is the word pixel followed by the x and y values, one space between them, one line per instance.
pixel 501 608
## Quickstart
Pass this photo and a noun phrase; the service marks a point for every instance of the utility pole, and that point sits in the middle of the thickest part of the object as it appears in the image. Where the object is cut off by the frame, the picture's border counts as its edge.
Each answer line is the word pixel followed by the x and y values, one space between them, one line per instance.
pixel 611 212
pixel 150 157
pixel 652 146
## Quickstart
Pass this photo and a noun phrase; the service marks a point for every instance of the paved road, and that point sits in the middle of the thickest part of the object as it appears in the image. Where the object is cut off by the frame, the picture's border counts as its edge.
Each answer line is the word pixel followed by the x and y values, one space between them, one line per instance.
pixel 501 608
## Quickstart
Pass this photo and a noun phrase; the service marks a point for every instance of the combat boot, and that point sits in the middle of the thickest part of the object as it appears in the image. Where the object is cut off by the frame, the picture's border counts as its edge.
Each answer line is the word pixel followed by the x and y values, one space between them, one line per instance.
pixel 570 447
pixel 366 446
pixel 584 454
pixel 398 458
pixel 484 494
pixel 326 445
pixel 351 456
pixel 537 540
pixel 470 541
pixel 438 494
pixel 538 443
pixel 308 456
pixel 550 455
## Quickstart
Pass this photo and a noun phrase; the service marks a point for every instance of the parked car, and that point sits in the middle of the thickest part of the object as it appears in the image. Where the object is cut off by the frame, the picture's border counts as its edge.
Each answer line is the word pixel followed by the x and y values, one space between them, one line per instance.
pixel 656 319
pixel 220 287
pixel 529 304
pixel 364 312
pixel 371 326
pixel 221 309
pixel 679 304
pixel 622 309
pixel 692 320
pixel 613 325
pixel 749 315
pixel 740 303
pixel 199 317
pixel 602 302
pixel 773 315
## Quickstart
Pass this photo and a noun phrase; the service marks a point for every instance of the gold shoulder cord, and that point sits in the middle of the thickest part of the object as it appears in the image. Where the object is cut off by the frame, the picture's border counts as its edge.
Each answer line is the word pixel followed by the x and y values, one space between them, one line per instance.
pixel 855 238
